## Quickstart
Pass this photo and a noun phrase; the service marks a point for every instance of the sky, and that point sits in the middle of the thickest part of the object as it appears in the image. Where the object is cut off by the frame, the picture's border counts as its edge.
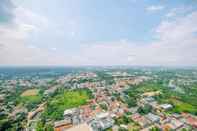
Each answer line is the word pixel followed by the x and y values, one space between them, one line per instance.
pixel 98 32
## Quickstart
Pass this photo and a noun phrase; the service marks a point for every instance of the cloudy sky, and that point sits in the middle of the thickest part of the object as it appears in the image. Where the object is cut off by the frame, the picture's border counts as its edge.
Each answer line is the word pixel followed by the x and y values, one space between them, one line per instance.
pixel 98 32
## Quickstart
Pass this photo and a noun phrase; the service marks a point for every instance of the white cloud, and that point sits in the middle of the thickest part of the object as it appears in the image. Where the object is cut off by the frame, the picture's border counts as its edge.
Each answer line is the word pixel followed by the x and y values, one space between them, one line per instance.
pixel 176 45
pixel 155 8
pixel 179 11
pixel 15 49
pixel 53 49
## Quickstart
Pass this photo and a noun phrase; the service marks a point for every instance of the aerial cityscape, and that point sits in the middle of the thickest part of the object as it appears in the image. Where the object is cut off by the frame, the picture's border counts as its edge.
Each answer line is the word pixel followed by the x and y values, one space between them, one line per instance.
pixel 98 99
pixel 98 65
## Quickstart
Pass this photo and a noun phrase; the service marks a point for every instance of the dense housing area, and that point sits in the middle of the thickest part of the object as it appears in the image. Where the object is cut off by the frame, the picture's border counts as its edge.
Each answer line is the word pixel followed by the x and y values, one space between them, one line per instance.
pixel 100 99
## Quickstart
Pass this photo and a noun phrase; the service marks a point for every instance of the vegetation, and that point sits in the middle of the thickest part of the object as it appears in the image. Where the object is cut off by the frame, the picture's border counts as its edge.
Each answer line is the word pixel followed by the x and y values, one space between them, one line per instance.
pixel 123 120
pixel 155 129
pixel 144 110
pixel 180 101
pixel 30 98
pixel 42 126
pixel 64 100
pixel 103 106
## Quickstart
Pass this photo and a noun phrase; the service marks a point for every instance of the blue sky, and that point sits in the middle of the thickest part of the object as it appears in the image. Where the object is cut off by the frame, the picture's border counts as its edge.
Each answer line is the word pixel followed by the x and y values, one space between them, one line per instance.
pixel 99 32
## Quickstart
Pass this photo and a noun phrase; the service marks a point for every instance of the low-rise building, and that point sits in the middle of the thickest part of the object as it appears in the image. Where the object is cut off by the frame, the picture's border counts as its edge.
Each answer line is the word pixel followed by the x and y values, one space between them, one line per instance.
pixel 62 125
pixel 141 120
pixel 72 115
pixel 102 121
pixel 174 124
pixel 153 118
pixel 101 124
pixel 166 107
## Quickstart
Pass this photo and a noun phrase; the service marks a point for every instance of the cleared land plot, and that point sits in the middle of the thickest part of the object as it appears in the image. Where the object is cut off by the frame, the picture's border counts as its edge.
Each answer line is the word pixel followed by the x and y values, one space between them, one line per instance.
pixel 30 92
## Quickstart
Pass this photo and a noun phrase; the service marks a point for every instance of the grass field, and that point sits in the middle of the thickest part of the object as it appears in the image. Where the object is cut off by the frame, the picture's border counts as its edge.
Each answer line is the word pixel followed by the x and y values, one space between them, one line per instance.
pixel 182 102
pixel 65 100
pixel 182 106
pixel 30 98
pixel 30 92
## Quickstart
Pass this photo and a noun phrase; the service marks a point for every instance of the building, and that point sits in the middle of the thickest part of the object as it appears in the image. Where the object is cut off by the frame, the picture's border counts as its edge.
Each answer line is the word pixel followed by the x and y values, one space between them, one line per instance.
pixel 174 124
pixel 101 124
pixel 72 115
pixel 62 125
pixel 166 107
pixel 153 118
pixel 192 121
pixel 141 120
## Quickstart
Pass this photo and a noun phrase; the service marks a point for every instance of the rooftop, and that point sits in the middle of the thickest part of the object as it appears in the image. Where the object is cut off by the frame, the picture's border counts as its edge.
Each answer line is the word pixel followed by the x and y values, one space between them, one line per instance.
pixel 69 111
pixel 153 117
pixel 61 123
pixel 166 106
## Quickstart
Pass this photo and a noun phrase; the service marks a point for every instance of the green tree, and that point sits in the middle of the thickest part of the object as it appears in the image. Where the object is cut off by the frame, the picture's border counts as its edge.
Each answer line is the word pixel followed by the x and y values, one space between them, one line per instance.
pixel 155 129
pixel 40 126
pixel 145 109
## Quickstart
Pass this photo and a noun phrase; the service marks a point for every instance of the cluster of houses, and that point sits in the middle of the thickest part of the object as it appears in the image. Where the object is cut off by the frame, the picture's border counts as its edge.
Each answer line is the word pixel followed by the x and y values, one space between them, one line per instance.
pixel 159 118
pixel 101 112
pixel 98 119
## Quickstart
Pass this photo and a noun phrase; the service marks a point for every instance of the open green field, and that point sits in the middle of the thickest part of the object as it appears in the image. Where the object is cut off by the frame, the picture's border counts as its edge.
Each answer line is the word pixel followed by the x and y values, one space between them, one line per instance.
pixel 30 98
pixel 186 102
pixel 65 100
pixel 182 106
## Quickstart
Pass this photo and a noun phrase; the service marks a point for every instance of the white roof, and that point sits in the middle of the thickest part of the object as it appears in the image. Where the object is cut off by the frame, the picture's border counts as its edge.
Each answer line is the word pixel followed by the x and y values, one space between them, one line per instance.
pixel 102 115
pixel 152 117
pixel 69 111
pixel 166 106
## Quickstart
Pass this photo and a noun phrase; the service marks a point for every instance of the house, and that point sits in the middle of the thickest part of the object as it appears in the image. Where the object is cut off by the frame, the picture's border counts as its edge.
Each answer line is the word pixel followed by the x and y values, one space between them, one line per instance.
pixel 69 112
pixel 87 112
pixel 102 115
pixel 141 120
pixel 62 125
pixel 192 121
pixel 174 124
pixel 153 118
pixel 101 124
pixel 166 107
pixel 72 115
pixel 102 121
pixel 176 116
pixel 124 126
pixel 133 109
pixel 149 99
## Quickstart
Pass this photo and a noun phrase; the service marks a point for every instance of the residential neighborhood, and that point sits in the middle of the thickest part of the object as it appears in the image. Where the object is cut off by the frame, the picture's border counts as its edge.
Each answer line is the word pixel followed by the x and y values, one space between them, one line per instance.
pixel 97 101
